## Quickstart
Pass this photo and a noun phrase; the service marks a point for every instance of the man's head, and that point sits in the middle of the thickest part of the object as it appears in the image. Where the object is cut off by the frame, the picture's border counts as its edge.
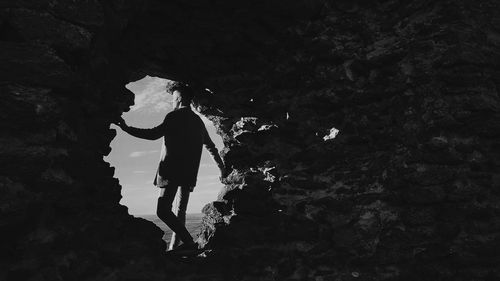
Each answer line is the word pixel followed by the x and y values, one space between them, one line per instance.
pixel 181 92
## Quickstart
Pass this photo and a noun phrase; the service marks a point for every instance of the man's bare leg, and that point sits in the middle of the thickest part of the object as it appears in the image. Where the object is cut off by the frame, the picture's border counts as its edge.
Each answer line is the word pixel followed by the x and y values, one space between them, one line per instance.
pixel 164 212
pixel 179 209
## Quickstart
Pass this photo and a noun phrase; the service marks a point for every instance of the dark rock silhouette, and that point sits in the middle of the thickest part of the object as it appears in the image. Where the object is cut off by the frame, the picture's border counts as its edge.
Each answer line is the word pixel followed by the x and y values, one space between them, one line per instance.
pixel 407 190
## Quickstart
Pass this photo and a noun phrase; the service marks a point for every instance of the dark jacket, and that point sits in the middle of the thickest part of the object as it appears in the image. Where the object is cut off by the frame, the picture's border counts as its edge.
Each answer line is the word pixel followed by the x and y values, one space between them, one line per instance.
pixel 183 134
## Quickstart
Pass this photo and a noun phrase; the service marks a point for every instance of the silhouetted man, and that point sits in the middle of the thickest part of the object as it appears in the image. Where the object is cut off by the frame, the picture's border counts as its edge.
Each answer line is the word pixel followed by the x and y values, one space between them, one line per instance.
pixel 183 134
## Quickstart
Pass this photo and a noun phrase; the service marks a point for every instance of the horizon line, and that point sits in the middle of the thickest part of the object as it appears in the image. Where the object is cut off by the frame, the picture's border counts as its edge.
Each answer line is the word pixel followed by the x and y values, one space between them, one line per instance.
pixel 137 215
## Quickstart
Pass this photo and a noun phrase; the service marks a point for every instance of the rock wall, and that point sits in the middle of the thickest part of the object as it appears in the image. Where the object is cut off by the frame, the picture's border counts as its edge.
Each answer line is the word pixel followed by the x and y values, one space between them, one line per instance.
pixel 60 217
pixel 363 137
pixel 407 190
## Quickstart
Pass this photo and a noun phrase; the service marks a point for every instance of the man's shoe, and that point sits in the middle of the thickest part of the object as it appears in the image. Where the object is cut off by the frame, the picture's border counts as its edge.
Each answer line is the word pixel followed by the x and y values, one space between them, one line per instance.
pixel 185 250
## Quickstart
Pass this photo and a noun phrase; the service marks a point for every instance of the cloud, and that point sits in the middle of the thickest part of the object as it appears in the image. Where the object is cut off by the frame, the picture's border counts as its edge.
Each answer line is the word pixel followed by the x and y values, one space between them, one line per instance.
pixel 150 94
pixel 151 97
pixel 142 153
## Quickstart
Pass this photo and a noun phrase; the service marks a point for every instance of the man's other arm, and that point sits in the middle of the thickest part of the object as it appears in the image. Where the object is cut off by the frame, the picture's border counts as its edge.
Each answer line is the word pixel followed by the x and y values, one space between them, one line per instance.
pixel 210 146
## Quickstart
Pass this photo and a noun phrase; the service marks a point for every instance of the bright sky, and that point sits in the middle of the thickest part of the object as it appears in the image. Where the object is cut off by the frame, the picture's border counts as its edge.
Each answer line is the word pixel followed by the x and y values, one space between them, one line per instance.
pixel 135 160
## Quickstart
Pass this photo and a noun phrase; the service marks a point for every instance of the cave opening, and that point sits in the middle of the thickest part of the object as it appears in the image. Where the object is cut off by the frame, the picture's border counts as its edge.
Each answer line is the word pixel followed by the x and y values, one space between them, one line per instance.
pixel 135 160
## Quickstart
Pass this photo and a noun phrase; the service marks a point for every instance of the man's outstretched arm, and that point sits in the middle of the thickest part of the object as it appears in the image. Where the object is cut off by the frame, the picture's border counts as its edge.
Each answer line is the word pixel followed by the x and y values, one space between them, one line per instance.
pixel 210 146
pixel 148 134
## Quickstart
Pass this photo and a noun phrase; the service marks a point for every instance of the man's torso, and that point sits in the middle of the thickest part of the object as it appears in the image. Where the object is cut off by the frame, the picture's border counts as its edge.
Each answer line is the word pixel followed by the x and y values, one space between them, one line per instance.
pixel 181 148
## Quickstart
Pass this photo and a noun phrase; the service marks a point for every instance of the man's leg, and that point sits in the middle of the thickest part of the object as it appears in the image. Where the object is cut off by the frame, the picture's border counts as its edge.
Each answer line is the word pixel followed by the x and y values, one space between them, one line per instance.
pixel 164 212
pixel 180 206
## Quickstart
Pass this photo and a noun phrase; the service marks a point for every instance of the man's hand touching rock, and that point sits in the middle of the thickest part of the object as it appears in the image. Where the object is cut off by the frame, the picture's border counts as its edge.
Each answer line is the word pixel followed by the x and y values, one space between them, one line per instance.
pixel 121 123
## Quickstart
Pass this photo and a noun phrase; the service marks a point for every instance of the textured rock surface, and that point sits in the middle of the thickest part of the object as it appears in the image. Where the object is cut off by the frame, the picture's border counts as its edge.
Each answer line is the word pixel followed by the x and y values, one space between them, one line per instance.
pixel 407 189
